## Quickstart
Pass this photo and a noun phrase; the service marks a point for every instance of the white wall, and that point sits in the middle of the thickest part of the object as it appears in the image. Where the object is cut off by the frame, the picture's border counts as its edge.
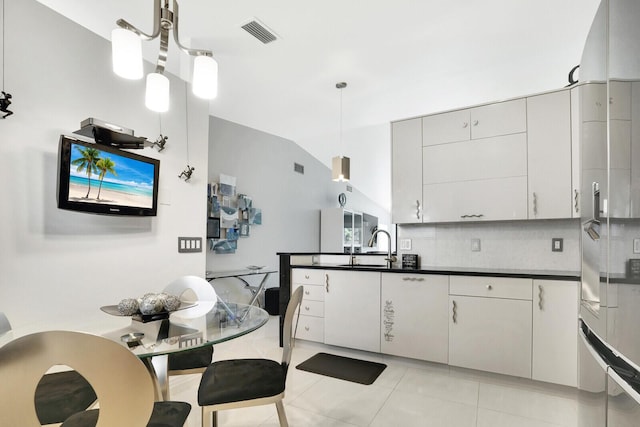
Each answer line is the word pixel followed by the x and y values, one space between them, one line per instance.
pixel 290 202
pixel 65 265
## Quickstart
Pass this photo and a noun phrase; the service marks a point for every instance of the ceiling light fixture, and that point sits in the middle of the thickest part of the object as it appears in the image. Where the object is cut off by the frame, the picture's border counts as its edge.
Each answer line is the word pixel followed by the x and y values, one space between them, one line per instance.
pixel 126 44
pixel 340 165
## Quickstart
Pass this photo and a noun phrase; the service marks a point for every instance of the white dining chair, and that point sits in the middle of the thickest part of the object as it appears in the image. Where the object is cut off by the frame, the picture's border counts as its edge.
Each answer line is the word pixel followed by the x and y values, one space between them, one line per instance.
pixel 59 394
pixel 121 382
pixel 236 383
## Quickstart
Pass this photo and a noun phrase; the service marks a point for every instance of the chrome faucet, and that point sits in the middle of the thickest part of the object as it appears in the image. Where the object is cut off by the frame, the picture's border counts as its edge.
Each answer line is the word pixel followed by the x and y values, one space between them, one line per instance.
pixel 390 258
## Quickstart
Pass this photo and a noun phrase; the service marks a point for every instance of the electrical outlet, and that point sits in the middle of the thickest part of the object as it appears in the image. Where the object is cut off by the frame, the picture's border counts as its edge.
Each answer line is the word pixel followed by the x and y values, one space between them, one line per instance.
pixel 557 244
pixel 475 245
pixel 405 244
pixel 636 246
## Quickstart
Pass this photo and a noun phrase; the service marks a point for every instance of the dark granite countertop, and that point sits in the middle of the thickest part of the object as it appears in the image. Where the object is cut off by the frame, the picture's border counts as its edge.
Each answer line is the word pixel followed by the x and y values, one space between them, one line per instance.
pixel 456 271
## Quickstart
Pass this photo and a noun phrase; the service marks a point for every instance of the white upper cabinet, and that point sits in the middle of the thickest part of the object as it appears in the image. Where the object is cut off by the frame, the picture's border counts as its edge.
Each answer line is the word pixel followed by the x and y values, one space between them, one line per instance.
pixel 501 118
pixel 549 155
pixel 482 177
pixel 446 127
pixel 406 171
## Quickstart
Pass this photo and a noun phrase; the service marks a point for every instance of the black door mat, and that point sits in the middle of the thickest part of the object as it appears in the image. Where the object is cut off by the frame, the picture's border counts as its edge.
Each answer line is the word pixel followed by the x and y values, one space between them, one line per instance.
pixel 343 368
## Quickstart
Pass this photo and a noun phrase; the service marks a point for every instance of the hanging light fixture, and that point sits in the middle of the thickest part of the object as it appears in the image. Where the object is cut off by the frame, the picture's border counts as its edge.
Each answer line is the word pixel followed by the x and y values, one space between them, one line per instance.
pixel 126 43
pixel 340 165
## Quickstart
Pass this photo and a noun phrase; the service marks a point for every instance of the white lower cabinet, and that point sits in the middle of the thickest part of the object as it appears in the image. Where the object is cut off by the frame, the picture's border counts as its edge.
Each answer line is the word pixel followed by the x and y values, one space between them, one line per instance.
pixel 414 316
pixel 352 310
pixel 555 332
pixel 311 319
pixel 490 324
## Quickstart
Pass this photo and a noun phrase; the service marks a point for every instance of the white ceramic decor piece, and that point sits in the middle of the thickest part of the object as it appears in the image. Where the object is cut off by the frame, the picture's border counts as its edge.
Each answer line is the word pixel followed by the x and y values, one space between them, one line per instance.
pixel 205 295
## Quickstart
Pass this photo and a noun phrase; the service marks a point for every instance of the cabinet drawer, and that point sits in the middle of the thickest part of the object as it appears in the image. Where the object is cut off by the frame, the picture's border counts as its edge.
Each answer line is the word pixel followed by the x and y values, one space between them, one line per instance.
pixel 311 292
pixel 491 287
pixel 310 328
pixel 307 276
pixel 312 308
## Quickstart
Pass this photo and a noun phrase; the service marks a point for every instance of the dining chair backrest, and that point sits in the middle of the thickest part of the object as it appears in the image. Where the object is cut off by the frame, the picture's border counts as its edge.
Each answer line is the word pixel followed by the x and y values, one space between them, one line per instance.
pixel 5 326
pixel 122 384
pixel 288 330
pixel 205 295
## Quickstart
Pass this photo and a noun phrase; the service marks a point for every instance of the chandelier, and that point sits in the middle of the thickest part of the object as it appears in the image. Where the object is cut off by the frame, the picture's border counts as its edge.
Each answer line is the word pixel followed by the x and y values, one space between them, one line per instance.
pixel 126 44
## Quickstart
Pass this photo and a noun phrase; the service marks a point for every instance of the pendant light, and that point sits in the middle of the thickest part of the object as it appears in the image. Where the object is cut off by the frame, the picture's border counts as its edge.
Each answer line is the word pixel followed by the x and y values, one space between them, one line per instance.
pixel 340 165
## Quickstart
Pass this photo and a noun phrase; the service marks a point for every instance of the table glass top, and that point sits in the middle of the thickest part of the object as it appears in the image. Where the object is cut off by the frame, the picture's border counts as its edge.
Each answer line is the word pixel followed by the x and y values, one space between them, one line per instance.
pixel 238 273
pixel 179 334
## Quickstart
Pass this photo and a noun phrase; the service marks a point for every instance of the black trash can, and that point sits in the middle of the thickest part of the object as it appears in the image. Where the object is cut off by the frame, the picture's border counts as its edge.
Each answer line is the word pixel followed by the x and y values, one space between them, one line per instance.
pixel 272 301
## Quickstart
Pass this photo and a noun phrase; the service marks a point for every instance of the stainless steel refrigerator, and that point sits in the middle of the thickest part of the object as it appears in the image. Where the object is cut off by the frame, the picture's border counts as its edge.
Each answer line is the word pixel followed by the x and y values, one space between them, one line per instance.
pixel 608 107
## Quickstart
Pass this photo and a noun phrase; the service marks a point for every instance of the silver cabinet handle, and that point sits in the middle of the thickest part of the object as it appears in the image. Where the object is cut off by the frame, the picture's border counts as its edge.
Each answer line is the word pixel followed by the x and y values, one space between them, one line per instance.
pixel 454 315
pixel 535 204
pixel 306 328
pixel 540 291
pixel 307 293
pixel 418 208
pixel 575 201
pixel 413 279
pixel 306 276
pixel 489 287
pixel 465 125
pixel 472 216
pixel 326 281
pixel 475 123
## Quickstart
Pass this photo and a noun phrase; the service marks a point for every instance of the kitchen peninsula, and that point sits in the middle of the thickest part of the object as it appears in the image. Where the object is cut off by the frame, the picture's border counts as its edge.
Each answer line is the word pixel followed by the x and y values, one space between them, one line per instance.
pixel 524 321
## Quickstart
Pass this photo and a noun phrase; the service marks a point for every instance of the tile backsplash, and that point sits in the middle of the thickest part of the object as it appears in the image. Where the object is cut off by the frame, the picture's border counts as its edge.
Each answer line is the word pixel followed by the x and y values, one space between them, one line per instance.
pixel 502 244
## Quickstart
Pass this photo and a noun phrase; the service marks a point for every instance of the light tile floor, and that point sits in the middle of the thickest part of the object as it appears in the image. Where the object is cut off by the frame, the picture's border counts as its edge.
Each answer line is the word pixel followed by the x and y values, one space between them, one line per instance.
pixel 408 393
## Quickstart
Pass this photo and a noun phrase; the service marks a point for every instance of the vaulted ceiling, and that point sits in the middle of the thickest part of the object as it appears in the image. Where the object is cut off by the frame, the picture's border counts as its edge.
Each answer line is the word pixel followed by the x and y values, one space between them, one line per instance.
pixel 400 59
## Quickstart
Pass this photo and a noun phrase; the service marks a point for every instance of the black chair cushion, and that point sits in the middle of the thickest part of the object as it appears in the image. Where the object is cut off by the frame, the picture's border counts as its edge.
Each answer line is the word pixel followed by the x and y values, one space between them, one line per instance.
pixel 197 358
pixel 241 379
pixel 62 394
pixel 165 414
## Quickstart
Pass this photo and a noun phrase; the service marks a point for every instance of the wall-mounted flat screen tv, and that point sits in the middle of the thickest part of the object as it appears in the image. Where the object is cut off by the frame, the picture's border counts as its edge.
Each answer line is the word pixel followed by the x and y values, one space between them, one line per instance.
pixel 104 180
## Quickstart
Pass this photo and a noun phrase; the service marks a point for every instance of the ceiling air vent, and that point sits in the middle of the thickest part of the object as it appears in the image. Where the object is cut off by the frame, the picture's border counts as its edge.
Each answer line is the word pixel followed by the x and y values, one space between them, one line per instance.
pixel 258 30
pixel 297 167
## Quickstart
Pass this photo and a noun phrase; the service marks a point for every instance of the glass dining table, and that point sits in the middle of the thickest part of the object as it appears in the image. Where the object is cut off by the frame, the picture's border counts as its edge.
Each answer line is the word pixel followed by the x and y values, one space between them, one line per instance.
pixel 153 341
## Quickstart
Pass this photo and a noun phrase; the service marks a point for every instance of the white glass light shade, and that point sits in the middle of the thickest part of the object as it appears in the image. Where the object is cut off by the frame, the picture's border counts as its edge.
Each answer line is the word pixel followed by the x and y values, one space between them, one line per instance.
pixel 205 77
pixel 157 95
pixel 126 51
pixel 340 168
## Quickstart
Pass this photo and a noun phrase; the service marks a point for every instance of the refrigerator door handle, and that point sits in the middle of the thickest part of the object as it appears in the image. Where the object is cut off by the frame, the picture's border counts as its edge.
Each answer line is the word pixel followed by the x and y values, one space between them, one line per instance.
pixel 624 385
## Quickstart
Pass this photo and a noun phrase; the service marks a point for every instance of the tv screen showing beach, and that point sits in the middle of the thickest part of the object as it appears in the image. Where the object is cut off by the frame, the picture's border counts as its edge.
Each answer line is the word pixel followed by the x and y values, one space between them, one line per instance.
pixel 105 177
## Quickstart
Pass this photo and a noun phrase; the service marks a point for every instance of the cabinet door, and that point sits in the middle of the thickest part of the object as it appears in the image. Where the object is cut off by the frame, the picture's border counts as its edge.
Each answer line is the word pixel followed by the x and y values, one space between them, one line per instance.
pixel 490 334
pixel 446 127
pixel 352 310
pixel 555 332
pixel 490 199
pixel 501 118
pixel 498 157
pixel 406 171
pixel 549 155
pixel 414 316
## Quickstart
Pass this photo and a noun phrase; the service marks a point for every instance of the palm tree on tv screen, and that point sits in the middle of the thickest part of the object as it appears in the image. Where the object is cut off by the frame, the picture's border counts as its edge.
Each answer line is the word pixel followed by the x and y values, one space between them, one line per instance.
pixel 90 157
pixel 105 164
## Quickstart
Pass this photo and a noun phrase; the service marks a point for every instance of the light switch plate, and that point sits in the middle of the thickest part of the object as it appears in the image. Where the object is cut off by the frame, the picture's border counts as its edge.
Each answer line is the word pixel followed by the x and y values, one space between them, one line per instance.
pixel 475 245
pixel 189 244
pixel 636 246
pixel 405 244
